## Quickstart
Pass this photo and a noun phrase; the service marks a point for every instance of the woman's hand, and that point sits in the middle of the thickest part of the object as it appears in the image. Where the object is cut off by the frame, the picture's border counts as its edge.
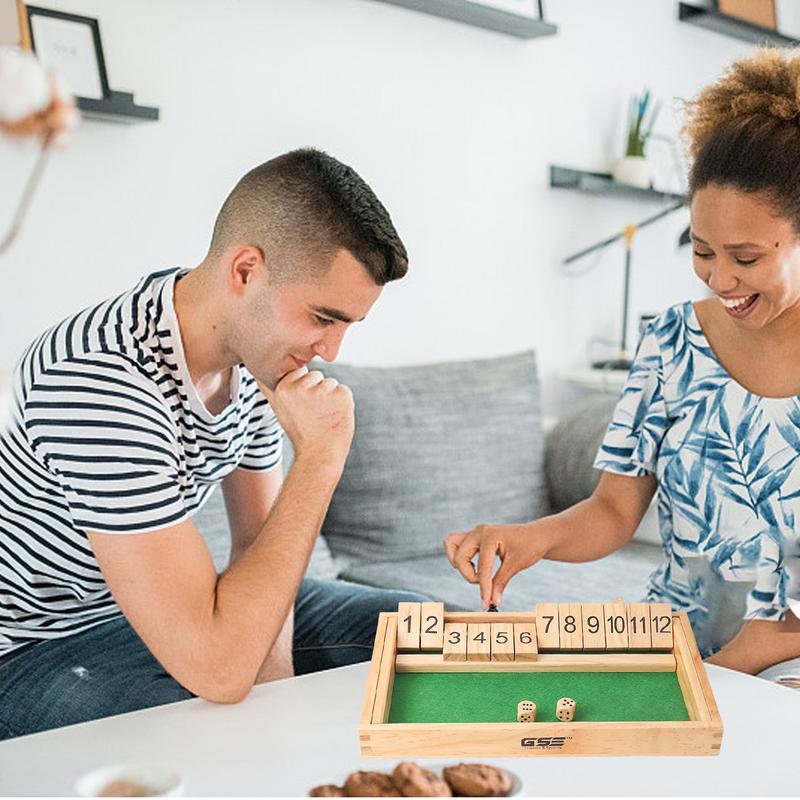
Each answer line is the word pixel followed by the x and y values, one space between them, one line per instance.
pixel 517 546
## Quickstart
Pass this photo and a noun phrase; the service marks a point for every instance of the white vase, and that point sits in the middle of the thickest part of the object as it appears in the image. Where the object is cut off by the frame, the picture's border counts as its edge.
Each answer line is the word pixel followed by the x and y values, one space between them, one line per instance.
pixel 634 171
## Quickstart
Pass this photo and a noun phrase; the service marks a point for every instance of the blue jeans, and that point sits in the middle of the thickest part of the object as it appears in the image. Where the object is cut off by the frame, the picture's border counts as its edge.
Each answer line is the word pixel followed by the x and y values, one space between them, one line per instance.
pixel 109 670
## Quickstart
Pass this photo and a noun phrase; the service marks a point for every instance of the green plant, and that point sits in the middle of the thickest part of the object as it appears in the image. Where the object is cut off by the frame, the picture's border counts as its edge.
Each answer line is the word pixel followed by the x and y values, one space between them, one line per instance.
pixel 638 132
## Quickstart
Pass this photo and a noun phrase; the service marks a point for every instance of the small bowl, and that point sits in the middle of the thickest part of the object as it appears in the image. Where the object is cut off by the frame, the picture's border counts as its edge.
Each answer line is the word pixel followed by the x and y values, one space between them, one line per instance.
pixel 151 780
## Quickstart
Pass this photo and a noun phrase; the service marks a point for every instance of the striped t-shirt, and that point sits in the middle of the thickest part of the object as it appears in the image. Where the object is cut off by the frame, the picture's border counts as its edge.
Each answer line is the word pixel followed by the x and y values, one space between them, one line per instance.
pixel 107 433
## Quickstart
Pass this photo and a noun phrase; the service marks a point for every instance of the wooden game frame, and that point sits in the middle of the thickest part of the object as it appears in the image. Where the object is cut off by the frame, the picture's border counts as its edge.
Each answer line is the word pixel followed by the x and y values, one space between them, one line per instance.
pixel 700 735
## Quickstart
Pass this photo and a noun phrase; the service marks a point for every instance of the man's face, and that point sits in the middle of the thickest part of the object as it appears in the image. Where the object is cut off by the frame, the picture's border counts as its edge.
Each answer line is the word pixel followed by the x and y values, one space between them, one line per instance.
pixel 284 325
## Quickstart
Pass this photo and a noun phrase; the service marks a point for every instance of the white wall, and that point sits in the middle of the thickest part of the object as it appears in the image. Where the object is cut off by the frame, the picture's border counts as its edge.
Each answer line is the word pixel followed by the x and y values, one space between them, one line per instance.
pixel 453 126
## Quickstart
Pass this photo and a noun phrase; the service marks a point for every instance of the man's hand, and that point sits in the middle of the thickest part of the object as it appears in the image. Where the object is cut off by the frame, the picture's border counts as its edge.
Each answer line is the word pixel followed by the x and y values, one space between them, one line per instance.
pixel 317 414
pixel 517 546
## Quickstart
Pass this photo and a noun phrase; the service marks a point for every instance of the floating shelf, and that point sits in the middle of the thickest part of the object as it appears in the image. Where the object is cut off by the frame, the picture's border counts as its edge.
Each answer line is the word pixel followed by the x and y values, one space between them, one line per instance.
pixel 601 183
pixel 494 19
pixel 713 20
pixel 118 107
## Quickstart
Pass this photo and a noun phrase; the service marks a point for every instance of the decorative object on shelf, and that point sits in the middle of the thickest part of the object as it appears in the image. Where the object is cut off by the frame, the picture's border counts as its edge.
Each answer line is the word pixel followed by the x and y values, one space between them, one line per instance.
pixel 522 18
pixel 633 169
pixel 713 19
pixel 32 105
pixel 628 233
pixel 759 12
pixel 71 45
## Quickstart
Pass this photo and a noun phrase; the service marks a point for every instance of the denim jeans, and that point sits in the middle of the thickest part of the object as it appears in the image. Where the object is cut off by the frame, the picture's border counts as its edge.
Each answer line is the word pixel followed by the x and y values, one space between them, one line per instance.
pixel 109 670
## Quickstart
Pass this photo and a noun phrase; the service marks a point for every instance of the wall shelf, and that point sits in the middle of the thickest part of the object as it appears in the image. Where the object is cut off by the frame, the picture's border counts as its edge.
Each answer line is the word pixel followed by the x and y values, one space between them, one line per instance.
pixel 601 183
pixel 482 16
pixel 713 20
pixel 118 107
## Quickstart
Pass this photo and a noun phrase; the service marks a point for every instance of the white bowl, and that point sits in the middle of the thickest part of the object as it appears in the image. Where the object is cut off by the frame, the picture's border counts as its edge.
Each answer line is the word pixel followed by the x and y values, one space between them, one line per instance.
pixel 160 781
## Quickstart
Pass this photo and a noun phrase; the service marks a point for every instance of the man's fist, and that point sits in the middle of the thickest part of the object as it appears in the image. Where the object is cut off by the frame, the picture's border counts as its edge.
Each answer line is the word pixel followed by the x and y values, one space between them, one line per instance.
pixel 316 412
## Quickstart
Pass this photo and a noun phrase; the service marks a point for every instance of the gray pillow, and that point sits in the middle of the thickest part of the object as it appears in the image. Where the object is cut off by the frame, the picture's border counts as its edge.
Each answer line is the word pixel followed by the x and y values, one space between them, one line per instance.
pixel 437 448
pixel 571 449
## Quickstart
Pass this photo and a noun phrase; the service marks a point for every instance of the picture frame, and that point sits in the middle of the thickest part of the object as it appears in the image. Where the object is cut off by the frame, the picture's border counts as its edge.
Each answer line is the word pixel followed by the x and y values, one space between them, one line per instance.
pixel 70 45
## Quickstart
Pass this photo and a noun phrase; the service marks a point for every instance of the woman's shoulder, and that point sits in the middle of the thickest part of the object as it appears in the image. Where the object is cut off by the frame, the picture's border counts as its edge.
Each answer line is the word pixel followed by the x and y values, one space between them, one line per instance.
pixel 672 325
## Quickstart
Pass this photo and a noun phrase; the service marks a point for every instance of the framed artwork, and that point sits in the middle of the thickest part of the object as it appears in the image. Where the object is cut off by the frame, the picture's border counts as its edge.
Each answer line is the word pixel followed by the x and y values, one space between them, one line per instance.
pixel 70 45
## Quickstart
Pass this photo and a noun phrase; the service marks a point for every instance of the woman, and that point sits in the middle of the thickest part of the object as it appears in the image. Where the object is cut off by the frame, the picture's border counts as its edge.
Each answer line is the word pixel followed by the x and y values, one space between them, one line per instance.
pixel 710 414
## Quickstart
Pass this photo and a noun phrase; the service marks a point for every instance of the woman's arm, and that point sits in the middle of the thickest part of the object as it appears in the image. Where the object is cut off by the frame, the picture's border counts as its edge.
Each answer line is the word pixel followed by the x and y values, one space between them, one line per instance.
pixel 760 644
pixel 587 531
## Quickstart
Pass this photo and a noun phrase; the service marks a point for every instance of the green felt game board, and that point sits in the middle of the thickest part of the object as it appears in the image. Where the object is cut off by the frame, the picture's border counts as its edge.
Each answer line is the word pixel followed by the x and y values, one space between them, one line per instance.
pixel 493 696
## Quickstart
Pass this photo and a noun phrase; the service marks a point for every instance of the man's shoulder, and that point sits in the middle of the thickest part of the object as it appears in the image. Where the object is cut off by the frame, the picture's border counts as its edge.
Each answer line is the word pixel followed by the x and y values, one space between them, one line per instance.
pixel 113 338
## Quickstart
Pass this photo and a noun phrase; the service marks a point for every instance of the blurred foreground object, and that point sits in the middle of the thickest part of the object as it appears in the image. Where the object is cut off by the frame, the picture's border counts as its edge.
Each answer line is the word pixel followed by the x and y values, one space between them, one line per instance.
pixel 32 105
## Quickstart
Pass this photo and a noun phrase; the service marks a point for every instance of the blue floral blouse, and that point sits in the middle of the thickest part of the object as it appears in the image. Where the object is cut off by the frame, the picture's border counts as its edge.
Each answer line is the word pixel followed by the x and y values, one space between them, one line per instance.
pixel 728 471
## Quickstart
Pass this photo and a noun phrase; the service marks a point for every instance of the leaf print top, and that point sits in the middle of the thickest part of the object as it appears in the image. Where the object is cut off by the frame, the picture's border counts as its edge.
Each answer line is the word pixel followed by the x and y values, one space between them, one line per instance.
pixel 726 462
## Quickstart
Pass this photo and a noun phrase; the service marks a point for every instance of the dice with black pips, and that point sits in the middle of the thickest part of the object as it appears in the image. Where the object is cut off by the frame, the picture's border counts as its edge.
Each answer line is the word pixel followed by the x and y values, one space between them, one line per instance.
pixel 565 709
pixel 526 711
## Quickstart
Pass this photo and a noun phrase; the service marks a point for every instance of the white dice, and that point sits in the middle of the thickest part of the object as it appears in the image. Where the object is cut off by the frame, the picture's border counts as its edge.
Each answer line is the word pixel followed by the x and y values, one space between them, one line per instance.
pixel 526 711
pixel 565 709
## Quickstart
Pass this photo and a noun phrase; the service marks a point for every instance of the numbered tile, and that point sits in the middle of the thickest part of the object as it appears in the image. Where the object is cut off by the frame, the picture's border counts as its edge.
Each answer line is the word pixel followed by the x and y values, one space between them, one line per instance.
pixel 639 626
pixel 525 648
pixel 565 709
pixel 479 646
pixel 615 620
pixel 408 620
pixel 454 647
pixel 661 626
pixel 526 711
pixel 594 631
pixel 547 626
pixel 570 626
pixel 502 641
pixel 431 626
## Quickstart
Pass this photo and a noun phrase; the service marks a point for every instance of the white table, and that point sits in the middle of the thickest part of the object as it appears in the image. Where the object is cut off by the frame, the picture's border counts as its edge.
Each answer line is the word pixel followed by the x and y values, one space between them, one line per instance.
pixel 292 735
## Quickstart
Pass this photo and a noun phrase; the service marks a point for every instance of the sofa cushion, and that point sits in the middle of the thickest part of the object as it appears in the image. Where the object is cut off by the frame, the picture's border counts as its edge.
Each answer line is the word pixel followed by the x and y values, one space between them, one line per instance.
pixel 623 573
pixel 570 450
pixel 437 448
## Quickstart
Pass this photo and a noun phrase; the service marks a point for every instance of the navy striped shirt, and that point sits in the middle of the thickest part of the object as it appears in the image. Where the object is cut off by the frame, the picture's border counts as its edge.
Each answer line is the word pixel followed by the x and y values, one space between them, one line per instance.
pixel 107 433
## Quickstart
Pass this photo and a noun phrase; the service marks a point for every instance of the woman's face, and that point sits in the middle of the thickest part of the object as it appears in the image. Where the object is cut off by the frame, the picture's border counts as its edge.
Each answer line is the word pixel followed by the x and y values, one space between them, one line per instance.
pixel 748 256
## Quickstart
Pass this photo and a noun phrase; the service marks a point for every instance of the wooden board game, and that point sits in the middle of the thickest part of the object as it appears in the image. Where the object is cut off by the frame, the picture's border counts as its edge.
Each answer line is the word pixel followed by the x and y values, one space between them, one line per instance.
pixel 566 679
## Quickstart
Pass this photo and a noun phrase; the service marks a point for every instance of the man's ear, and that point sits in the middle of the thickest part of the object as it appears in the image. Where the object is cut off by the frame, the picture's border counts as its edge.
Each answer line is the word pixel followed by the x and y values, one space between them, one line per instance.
pixel 246 261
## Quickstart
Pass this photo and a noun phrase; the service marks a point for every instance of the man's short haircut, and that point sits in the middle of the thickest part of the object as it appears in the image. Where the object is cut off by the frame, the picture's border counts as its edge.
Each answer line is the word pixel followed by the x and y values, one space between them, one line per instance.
pixel 301 208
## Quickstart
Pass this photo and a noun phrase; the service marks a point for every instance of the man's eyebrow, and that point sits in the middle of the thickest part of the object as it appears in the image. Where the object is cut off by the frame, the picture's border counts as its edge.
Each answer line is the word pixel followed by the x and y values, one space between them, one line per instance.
pixel 334 314
pixel 734 246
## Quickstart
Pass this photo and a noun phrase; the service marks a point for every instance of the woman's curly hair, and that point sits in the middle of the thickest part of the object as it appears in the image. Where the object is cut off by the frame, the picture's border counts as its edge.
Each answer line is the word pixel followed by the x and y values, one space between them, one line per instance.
pixel 744 130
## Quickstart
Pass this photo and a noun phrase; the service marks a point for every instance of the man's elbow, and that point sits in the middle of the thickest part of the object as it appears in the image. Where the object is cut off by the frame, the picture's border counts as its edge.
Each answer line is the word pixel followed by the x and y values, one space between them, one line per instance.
pixel 220 686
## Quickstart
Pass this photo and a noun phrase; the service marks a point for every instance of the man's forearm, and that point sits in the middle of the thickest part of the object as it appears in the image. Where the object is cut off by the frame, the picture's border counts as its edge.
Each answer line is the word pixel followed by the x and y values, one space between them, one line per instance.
pixel 254 597
pixel 279 663
pixel 760 644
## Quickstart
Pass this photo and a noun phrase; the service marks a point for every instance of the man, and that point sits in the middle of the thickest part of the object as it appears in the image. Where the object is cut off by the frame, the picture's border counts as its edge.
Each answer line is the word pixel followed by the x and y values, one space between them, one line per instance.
pixel 126 416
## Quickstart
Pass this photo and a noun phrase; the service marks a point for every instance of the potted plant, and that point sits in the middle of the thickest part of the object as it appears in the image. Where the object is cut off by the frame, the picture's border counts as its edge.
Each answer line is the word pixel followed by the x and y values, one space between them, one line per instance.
pixel 633 168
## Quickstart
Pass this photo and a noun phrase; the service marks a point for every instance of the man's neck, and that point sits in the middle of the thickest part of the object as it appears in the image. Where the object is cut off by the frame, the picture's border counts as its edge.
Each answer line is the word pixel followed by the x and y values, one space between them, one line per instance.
pixel 200 327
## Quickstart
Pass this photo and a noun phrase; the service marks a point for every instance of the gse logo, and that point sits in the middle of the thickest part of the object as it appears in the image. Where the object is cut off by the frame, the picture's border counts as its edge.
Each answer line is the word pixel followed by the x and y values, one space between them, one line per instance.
pixel 548 742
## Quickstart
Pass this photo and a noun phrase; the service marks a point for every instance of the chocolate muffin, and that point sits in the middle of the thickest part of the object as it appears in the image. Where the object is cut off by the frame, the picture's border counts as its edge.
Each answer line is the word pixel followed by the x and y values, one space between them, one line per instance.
pixel 327 790
pixel 415 781
pixel 477 780
pixel 370 784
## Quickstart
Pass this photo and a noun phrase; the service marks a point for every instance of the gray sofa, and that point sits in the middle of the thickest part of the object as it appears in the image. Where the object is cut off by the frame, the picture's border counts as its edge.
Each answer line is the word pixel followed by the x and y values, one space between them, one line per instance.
pixel 444 447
